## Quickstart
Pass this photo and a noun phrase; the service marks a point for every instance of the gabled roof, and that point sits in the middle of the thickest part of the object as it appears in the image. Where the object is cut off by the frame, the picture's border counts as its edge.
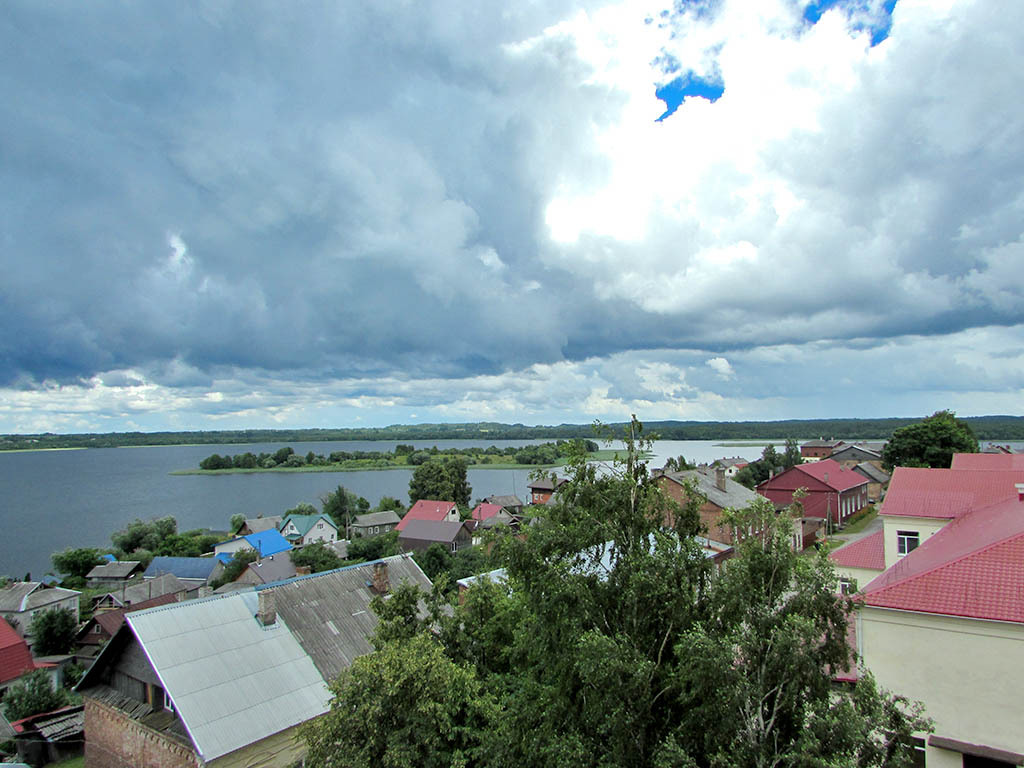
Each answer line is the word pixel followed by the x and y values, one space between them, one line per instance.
pixel 547 483
pixel 20 596
pixel 432 530
pixel 274 568
pixel 15 657
pixel 233 680
pixel 821 443
pixel 305 522
pixel 182 567
pixel 147 589
pixel 119 569
pixel 268 542
pixel 872 473
pixel 386 517
pixel 946 493
pixel 854 449
pixel 485 511
pixel 427 510
pixel 111 621
pixel 734 496
pixel 867 552
pixel 988 462
pixel 971 568
pixel 831 473
pixel 257 524
pixel 505 501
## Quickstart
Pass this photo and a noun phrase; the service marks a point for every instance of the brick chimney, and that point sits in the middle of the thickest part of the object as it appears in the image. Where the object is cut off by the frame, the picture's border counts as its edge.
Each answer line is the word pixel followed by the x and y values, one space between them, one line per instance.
pixel 267 612
pixel 381 583
pixel 720 478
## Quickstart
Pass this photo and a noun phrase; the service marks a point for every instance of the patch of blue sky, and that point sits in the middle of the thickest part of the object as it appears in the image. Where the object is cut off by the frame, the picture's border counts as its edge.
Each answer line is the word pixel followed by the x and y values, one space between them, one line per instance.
pixel 879 29
pixel 678 90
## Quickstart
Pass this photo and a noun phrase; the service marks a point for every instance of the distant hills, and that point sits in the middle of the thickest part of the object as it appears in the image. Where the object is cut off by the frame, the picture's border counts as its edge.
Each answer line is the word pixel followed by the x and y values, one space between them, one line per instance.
pixel 985 428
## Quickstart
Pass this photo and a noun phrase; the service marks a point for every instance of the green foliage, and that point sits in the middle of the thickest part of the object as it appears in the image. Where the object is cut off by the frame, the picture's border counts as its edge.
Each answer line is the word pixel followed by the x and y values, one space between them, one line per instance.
pixel 317 557
pixel 34 695
pixel 678 464
pixel 53 631
pixel 930 443
pixel 434 561
pixel 390 503
pixel 72 674
pixel 373 547
pixel 441 481
pixel 791 457
pixel 406 705
pixel 76 564
pixel 341 505
pixel 239 562
pixel 237 521
pixel 144 535
pixel 302 508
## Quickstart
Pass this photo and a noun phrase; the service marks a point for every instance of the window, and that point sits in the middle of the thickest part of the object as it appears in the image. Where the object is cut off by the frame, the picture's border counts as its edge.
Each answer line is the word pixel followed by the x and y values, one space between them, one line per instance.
pixel 320 526
pixel 847 586
pixel 906 542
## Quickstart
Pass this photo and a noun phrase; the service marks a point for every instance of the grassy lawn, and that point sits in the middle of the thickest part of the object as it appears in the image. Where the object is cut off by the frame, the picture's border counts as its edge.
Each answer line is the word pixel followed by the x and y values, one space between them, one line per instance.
pixel 862 523
pixel 74 762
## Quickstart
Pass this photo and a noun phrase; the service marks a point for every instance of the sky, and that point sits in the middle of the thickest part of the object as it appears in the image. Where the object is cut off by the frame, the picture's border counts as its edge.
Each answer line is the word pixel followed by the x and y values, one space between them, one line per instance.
pixel 226 215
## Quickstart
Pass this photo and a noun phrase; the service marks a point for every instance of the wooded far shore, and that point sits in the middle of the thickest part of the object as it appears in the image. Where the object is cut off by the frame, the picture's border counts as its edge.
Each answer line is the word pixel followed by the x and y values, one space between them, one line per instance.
pixel 985 428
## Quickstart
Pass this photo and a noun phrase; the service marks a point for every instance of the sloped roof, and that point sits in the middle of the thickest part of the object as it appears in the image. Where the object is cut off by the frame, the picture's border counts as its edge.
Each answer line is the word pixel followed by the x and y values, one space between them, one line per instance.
pixel 734 496
pixel 831 473
pixel 867 552
pixel 387 517
pixel 119 569
pixel 147 589
pixel 821 443
pixel 547 483
pixel 971 567
pixel 182 567
pixel 273 568
pixel 111 621
pixel 425 509
pixel 432 530
pixel 946 493
pixel 20 596
pixel 305 522
pixel 485 511
pixel 505 501
pixel 988 462
pixel 268 542
pixel 838 453
pixel 15 657
pixel 257 524
pixel 872 473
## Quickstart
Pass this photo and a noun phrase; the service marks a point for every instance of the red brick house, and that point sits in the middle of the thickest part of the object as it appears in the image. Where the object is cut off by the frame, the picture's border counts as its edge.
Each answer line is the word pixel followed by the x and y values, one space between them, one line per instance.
pixel 833 493
pixel 819 449
pixel 717 493
pixel 542 489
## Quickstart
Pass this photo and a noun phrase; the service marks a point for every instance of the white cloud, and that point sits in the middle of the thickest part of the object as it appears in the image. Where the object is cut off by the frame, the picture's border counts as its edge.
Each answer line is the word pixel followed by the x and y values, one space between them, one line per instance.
pixel 721 366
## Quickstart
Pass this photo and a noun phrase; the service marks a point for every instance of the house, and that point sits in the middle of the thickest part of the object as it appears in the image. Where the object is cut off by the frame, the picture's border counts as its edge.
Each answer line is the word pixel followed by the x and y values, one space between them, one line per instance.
pixel 717 493
pixel 486 515
pixel 819 449
pixel 419 535
pixel 373 523
pixel 225 681
pixel 268 569
pixel 300 530
pixel 849 456
pixel 144 590
pixel 95 633
pixel 113 574
pixel 944 624
pixel 194 572
pixel 731 465
pixel 878 480
pixel 833 493
pixel 20 601
pixel 512 503
pixel 430 510
pixel 859 562
pixel 544 488
pixel 258 524
pixel 266 543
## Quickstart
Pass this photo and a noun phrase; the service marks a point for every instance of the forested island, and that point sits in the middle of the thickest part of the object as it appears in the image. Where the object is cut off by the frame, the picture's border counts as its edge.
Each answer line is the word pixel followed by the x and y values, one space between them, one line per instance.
pixel 404 456
pixel 985 427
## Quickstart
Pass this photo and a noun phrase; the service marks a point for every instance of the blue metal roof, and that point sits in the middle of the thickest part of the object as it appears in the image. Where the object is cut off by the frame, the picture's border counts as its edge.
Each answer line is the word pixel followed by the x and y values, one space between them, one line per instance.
pixel 268 542
pixel 182 567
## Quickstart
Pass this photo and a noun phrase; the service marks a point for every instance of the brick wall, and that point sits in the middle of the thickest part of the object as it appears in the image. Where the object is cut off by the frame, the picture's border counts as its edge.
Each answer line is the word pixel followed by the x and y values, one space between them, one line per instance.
pixel 710 513
pixel 113 740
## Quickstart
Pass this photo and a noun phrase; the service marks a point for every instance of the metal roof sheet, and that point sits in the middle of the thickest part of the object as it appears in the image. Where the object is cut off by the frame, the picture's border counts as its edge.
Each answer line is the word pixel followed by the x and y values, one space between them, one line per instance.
pixel 182 567
pixel 232 680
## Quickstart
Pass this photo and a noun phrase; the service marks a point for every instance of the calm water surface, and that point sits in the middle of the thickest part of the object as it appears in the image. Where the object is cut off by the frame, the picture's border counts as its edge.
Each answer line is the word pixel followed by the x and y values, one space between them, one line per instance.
pixel 50 500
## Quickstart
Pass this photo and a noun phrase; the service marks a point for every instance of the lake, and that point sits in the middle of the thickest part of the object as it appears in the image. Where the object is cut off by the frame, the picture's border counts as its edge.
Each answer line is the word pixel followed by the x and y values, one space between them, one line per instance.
pixel 50 500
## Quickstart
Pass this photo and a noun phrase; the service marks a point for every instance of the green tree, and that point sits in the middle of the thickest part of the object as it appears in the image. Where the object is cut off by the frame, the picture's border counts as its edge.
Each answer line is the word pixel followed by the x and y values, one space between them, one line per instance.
pixel 144 535
pixel 317 557
pixel 238 563
pixel 53 631
pixel 34 695
pixel 791 456
pixel 434 561
pixel 390 503
pixel 75 564
pixel 439 481
pixel 373 547
pixel 929 443
pixel 341 505
pixel 407 704
pixel 237 521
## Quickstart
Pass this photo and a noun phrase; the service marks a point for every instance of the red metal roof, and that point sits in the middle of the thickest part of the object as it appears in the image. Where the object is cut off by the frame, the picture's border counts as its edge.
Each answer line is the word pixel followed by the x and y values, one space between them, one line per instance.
pixel 832 473
pixel 970 568
pixel 426 510
pixel 485 511
pixel 868 552
pixel 946 493
pixel 988 461
pixel 15 657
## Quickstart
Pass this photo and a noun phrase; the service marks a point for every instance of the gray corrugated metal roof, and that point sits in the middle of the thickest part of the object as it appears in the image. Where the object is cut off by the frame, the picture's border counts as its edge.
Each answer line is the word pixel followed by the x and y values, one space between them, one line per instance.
pixel 120 569
pixel 232 680
pixel 147 589
pixel 735 495
pixel 387 517
pixel 431 530
pixel 872 473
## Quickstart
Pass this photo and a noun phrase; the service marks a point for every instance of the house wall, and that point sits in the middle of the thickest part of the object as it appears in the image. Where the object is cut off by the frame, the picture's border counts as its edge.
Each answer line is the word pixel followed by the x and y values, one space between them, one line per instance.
pixel 710 513
pixel 325 534
pixel 863 576
pixel 230 547
pixel 967 672
pixel 114 740
pixel 925 526
pixel 281 750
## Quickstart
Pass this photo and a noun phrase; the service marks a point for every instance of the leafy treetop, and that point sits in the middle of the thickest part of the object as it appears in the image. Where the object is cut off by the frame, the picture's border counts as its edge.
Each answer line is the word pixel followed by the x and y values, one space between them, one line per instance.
pixel 930 443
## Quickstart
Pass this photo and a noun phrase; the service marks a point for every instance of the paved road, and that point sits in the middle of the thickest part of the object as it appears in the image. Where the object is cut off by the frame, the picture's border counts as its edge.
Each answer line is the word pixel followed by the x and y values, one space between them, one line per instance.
pixel 872 527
